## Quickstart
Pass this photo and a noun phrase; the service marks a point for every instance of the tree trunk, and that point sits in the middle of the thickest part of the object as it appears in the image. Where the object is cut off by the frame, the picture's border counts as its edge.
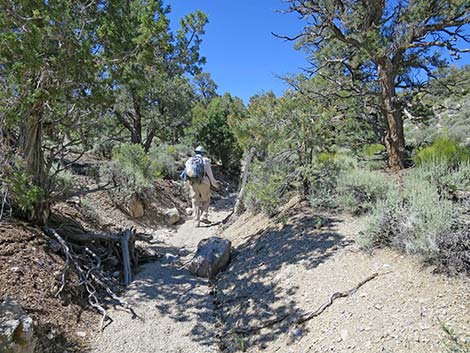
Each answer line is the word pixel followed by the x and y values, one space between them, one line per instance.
pixel 394 138
pixel 31 148
pixel 31 145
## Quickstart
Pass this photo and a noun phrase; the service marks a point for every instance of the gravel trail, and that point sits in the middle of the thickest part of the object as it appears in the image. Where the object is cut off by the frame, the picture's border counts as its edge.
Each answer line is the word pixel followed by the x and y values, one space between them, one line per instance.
pixel 174 308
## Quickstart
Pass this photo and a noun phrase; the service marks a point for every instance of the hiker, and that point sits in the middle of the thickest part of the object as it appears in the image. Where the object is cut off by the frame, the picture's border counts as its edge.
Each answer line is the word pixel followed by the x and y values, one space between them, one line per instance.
pixel 198 174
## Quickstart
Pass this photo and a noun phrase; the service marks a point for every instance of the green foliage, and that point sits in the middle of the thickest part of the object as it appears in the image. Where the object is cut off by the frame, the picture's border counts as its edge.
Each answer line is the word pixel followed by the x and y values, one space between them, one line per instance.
pixel 169 159
pixel 358 46
pixel 146 65
pixel 443 150
pixel 445 108
pixel 61 181
pixel 322 175
pixel 21 190
pixel 448 180
pixel 210 127
pixel 411 220
pixel 358 190
pixel 131 171
pixel 266 190
pixel 373 149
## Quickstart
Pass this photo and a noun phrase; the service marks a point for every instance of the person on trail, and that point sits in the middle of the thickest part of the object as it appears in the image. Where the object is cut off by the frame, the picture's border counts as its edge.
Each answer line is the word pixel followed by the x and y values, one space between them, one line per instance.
pixel 198 174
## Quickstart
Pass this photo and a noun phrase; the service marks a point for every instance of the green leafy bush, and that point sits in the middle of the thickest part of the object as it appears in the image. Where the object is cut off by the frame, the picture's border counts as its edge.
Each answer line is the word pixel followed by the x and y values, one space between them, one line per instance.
pixel 266 189
pixel 170 159
pixel 358 189
pixel 19 188
pixel 448 180
pixel 322 176
pixel 131 171
pixel 443 150
pixel 373 149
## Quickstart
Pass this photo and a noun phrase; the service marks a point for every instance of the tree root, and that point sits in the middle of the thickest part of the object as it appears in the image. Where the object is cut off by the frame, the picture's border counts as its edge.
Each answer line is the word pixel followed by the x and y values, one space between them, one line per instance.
pixel 308 315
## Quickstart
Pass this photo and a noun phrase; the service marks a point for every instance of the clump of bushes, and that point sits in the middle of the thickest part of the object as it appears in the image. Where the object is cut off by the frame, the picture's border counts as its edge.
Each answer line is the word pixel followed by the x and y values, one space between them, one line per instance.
pixel 322 177
pixel 17 188
pixel 358 190
pixel 131 172
pixel 412 220
pixel 268 188
pixel 443 150
pixel 169 159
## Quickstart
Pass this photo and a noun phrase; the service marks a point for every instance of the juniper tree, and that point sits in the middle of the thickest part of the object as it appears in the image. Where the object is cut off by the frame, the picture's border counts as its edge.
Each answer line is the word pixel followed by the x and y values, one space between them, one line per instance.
pixel 145 64
pixel 393 45
pixel 47 71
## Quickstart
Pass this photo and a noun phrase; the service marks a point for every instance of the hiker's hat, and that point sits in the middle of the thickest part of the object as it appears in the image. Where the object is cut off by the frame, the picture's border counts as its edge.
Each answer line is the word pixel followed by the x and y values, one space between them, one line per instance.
pixel 199 149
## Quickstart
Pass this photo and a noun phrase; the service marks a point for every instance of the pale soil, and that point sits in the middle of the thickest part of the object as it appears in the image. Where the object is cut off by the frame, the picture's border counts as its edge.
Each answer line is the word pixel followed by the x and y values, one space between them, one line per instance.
pixel 292 268
pixel 287 266
pixel 175 309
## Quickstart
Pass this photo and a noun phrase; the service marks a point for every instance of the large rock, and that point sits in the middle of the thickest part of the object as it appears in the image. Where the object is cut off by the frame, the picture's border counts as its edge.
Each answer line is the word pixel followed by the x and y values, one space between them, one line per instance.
pixel 16 329
pixel 212 256
pixel 172 216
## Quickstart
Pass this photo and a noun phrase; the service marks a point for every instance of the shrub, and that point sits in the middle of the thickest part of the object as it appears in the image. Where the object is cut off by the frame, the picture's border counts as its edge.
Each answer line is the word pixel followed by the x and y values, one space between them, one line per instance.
pixel 373 149
pixel 412 220
pixel 62 181
pixel 358 189
pixel 131 171
pixel 322 176
pixel 266 189
pixel 443 150
pixel 448 180
pixel 17 189
pixel 169 159
pixel 454 250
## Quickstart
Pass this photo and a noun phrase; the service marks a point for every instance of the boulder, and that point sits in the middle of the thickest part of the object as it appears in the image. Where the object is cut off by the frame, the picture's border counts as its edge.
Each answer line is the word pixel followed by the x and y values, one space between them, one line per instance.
pixel 136 208
pixel 16 329
pixel 212 256
pixel 172 216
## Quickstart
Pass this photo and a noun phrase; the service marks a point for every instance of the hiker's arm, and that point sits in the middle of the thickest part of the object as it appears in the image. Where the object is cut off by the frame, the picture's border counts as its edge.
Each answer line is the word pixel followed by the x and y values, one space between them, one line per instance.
pixel 208 170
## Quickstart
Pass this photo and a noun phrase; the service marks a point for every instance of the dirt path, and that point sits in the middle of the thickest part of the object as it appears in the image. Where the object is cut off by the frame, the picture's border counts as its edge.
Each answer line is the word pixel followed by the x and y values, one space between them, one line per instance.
pixel 284 268
pixel 292 265
pixel 175 309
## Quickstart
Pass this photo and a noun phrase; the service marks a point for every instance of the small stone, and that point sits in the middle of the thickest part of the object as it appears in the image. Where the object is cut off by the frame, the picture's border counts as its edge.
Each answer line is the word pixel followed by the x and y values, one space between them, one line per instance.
pixel 344 334
pixel 15 269
pixel 378 306
pixel 81 333
pixel 172 216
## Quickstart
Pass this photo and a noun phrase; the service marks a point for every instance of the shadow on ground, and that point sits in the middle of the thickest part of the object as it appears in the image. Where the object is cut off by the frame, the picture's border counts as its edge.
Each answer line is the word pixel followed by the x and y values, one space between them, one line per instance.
pixel 256 288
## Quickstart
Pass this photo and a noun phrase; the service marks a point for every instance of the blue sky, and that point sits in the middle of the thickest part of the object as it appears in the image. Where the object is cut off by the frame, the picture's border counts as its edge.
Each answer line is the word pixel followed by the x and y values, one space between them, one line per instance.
pixel 243 57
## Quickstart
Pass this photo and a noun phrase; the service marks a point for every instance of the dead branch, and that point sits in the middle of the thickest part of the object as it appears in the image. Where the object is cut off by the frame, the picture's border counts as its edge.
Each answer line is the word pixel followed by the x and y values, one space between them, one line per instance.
pixel 88 266
pixel 308 315
pixel 126 257
pixel 239 202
